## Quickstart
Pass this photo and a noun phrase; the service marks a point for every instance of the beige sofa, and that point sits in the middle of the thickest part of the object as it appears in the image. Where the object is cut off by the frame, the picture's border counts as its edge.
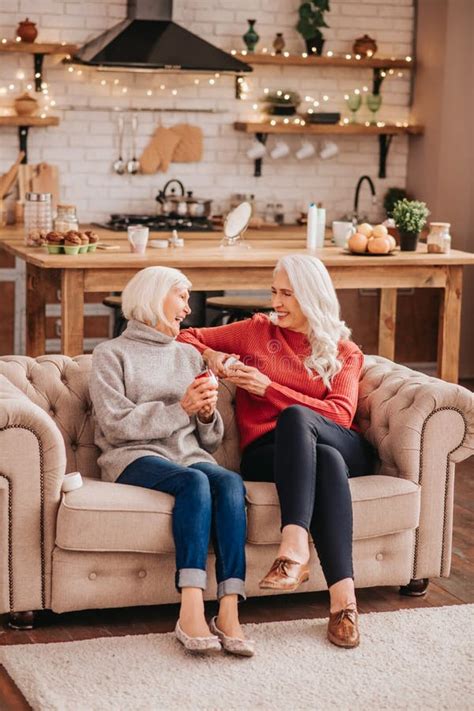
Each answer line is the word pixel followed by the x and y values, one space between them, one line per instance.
pixel 110 545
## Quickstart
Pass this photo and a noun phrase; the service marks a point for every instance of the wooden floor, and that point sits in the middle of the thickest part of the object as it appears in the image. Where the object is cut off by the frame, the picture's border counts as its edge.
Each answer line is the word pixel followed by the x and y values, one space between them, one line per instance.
pixel 455 590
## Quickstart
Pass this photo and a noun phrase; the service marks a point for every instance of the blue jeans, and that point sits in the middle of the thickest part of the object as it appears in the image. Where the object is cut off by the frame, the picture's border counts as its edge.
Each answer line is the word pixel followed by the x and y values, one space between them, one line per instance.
pixel 209 504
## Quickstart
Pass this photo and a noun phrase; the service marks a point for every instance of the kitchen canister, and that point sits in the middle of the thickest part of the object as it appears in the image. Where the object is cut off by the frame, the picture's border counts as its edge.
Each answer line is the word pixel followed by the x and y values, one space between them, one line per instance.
pixel 38 214
pixel 439 239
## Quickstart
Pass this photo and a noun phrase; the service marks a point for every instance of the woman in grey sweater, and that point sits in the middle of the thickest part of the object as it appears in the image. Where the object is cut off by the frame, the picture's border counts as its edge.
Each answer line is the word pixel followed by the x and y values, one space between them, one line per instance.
pixel 156 427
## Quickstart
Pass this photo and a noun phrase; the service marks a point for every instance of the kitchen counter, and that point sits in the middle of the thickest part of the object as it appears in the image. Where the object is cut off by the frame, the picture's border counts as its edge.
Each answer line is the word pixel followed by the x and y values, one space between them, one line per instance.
pixel 210 267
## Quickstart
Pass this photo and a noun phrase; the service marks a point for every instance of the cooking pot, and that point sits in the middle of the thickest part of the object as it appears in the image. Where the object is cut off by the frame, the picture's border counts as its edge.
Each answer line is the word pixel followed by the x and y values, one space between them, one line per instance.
pixel 170 203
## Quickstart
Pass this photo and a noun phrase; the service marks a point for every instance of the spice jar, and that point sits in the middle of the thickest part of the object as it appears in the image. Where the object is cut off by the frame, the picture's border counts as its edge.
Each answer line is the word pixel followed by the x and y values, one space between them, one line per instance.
pixel 38 216
pixel 66 219
pixel 439 239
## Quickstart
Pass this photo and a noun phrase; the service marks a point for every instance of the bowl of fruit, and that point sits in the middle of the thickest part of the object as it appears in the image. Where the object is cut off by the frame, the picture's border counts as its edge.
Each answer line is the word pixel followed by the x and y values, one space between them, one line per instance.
pixel 371 241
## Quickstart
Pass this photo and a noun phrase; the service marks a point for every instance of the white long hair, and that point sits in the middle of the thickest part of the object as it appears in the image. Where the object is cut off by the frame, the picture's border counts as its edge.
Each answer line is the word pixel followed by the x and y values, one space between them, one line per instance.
pixel 144 294
pixel 315 293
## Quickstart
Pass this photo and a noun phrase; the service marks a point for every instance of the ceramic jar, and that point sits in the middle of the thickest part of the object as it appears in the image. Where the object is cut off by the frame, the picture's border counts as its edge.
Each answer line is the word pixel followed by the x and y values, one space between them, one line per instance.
pixel 251 37
pixel 365 46
pixel 25 105
pixel 27 31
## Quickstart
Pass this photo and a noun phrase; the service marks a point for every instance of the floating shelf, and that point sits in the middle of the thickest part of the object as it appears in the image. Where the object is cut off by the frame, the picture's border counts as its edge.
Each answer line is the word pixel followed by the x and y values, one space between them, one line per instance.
pixel 24 123
pixel 324 61
pixel 379 65
pixel 38 50
pixel 385 135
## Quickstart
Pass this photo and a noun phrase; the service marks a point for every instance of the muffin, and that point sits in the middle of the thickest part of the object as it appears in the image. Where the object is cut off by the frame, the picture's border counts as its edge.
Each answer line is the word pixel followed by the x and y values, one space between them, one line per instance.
pixel 93 239
pixel 55 242
pixel 72 242
pixel 84 243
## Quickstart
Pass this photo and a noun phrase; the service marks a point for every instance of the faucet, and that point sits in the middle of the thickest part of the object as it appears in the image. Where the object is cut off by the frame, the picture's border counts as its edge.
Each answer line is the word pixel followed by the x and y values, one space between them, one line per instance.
pixel 355 214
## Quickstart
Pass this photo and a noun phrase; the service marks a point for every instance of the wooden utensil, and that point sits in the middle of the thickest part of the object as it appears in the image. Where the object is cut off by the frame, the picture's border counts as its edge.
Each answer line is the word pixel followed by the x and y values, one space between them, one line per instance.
pixel 45 179
pixel 7 180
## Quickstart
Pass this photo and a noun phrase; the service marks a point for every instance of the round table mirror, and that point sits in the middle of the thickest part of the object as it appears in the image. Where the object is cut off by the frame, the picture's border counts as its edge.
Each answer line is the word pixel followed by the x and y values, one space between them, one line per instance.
pixel 235 225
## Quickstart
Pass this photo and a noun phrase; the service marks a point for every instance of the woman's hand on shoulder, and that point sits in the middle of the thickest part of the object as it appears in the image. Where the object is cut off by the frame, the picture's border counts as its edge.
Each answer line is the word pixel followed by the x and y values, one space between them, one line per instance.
pixel 215 360
pixel 248 378
pixel 200 395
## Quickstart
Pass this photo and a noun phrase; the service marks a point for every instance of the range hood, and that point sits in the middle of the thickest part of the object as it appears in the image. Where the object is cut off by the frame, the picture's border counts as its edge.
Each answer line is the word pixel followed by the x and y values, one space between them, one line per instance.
pixel 149 39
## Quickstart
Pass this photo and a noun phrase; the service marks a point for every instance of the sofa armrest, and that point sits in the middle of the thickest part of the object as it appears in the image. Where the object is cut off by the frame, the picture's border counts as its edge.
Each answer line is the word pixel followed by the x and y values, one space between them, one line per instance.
pixel 32 466
pixel 421 426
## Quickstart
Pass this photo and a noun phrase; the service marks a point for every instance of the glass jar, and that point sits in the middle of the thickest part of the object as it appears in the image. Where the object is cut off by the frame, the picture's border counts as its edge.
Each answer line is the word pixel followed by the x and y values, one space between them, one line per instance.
pixel 66 219
pixel 38 216
pixel 439 239
pixel 269 214
pixel 279 214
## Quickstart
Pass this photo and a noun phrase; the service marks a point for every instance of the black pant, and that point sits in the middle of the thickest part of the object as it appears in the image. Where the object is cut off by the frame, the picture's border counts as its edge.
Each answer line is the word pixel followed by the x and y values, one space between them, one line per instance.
pixel 310 458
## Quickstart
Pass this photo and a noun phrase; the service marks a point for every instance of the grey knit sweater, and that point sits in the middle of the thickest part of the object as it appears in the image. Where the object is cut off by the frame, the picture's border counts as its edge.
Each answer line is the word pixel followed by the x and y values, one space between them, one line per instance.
pixel 137 382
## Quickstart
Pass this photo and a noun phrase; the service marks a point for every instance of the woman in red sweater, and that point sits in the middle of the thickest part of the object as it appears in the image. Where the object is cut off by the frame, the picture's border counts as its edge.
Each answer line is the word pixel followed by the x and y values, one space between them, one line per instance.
pixel 297 380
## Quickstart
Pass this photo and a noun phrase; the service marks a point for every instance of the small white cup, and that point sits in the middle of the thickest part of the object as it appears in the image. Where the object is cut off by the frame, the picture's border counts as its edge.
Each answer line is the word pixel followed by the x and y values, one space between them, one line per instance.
pixel 256 150
pixel 341 231
pixel 137 238
pixel 329 149
pixel 280 150
pixel 306 151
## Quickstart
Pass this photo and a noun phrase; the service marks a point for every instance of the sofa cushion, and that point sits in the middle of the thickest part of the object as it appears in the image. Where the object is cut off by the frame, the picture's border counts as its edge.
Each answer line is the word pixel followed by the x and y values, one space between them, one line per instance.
pixel 381 505
pixel 102 516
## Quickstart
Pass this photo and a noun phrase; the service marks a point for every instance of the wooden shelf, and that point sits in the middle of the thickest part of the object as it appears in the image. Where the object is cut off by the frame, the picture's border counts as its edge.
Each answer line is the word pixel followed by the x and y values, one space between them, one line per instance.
pixel 385 135
pixel 37 47
pixel 24 123
pixel 349 129
pixel 29 121
pixel 38 51
pixel 315 61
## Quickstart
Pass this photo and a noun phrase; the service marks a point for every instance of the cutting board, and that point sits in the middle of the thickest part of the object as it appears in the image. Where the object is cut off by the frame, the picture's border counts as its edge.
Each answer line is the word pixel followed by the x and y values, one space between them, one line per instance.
pixel 40 178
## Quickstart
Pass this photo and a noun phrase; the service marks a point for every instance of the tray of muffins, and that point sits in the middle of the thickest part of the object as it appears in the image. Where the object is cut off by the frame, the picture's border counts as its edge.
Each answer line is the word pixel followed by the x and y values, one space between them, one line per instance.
pixel 71 242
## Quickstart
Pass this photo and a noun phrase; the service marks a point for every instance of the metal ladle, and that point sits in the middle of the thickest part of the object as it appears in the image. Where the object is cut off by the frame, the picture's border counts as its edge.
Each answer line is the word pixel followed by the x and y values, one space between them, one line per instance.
pixel 133 165
pixel 119 165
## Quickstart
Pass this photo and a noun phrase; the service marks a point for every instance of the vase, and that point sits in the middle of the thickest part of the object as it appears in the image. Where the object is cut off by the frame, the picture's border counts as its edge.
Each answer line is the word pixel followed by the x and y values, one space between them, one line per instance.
pixel 279 43
pixel 315 45
pixel 408 241
pixel 27 31
pixel 251 37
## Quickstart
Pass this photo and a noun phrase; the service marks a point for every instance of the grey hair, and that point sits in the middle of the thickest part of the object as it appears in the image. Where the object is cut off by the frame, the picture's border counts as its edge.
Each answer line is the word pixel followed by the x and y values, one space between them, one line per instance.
pixel 143 296
pixel 315 293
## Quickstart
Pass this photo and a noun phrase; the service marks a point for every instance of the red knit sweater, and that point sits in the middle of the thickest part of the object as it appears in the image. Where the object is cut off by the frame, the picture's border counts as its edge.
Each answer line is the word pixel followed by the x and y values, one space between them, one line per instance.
pixel 280 353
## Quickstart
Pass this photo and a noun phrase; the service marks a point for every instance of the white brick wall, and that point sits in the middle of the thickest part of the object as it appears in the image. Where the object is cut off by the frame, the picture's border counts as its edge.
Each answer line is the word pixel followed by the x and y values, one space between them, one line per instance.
pixel 85 144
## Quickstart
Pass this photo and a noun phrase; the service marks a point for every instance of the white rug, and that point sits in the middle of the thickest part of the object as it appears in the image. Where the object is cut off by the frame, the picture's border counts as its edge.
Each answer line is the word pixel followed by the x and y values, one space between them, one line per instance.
pixel 410 659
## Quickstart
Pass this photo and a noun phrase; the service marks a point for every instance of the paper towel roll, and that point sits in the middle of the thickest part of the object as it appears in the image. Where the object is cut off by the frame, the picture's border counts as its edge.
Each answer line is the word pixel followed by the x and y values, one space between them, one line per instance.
pixel 72 481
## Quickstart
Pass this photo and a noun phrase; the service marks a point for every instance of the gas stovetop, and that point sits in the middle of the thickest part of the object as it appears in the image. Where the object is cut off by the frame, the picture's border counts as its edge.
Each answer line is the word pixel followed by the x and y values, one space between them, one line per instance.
pixel 157 223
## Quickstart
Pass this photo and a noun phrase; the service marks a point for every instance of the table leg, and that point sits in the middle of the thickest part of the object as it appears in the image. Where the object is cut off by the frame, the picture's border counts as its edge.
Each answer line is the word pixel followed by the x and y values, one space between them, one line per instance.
pixel 449 331
pixel 72 312
pixel 387 323
pixel 36 286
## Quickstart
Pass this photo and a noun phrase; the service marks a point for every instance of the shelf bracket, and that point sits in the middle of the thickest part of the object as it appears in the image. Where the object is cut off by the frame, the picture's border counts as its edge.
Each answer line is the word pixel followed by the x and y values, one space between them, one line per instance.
pixel 23 141
pixel 262 137
pixel 379 75
pixel 38 67
pixel 384 147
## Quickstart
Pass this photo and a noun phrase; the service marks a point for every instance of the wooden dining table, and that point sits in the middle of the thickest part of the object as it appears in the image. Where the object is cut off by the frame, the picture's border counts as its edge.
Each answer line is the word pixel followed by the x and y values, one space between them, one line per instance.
pixel 211 267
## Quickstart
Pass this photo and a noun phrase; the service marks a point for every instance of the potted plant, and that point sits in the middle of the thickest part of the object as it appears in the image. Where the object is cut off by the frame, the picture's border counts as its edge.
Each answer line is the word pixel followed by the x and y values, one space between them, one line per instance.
pixel 311 20
pixel 410 218
pixel 281 103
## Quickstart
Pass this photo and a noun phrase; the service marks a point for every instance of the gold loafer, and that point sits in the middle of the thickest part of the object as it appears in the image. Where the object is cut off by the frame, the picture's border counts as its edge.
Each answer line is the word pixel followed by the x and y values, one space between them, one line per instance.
pixel 285 574
pixel 343 628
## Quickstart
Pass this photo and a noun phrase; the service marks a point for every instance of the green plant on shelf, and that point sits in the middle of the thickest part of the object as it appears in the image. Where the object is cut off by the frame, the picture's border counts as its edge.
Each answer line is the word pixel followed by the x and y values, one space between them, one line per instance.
pixel 311 19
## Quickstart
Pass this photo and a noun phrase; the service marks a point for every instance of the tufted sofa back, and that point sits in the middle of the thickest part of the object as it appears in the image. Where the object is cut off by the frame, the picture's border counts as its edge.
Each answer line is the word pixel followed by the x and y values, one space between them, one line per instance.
pixel 60 386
